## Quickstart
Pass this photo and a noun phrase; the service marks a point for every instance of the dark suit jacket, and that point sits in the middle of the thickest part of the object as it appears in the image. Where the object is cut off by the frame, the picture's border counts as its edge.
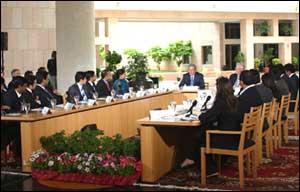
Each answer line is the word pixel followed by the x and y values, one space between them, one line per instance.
pixel 226 121
pixel 249 98
pixel 91 89
pixel 265 93
pixel 52 68
pixel 44 96
pixel 198 80
pixel 30 98
pixel 293 85
pixel 233 78
pixel 102 89
pixel 11 99
pixel 74 90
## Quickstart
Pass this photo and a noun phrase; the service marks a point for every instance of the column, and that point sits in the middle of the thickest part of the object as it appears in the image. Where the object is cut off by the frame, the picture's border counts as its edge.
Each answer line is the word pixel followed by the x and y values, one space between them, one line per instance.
pixel 75 40
pixel 247 46
pixel 275 27
pixel 285 52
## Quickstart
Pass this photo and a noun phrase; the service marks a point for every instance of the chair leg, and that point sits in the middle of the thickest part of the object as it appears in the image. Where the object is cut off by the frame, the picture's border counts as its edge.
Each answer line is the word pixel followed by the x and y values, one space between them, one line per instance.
pixel 203 167
pixel 268 144
pixel 219 164
pixel 271 142
pixel 259 151
pixel 241 170
pixel 296 123
pixel 279 128
pixel 276 137
pixel 254 168
pixel 286 131
pixel 248 163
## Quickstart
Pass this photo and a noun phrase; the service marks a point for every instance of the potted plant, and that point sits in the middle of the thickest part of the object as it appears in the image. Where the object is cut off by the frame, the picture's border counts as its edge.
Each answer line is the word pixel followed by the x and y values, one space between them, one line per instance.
pixel 158 55
pixel 112 58
pixel 137 68
pixel 268 55
pixel 295 62
pixel 285 29
pixel 87 157
pixel 239 58
pixel 179 50
pixel 276 61
pixel 258 63
pixel 263 28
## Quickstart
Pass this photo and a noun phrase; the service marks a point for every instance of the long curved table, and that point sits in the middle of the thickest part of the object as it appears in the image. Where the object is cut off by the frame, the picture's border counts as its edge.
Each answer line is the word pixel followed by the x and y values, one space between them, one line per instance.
pixel 116 117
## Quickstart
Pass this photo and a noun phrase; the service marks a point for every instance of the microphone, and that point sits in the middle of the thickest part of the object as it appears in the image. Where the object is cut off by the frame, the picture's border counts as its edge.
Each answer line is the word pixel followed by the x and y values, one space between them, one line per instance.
pixel 204 107
pixel 191 108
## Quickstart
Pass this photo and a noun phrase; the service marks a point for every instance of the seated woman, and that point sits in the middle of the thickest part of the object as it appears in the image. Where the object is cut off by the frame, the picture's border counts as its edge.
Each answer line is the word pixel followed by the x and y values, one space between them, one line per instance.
pixel 121 84
pixel 268 81
pixel 222 116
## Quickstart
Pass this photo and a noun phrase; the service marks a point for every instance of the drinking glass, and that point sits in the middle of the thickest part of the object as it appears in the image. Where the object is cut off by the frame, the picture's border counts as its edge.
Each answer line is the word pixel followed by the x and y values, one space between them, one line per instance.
pixel 155 86
pixel 142 88
pixel 173 106
pixel 53 103
pixel 113 93
pixel 76 99
pixel 27 108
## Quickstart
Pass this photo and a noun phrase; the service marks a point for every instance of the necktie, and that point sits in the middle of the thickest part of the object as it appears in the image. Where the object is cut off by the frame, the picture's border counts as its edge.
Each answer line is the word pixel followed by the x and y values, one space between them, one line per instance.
pixel 192 80
pixel 83 93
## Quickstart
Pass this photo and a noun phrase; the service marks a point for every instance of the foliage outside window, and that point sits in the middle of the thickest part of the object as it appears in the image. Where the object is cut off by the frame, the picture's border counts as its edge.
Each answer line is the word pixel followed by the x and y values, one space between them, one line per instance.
pixel 137 64
pixel 276 61
pixel 239 58
pixel 285 29
pixel 179 50
pixel 159 54
pixel 262 28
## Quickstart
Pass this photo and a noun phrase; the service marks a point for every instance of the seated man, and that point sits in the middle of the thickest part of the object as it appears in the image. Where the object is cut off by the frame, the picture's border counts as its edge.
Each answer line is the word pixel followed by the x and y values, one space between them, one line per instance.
pixel 264 92
pixel 104 85
pixel 41 90
pixel 235 78
pixel 91 79
pixel 13 98
pixel 249 96
pixel 14 73
pixel 293 83
pixel 29 95
pixel 192 78
pixel 79 89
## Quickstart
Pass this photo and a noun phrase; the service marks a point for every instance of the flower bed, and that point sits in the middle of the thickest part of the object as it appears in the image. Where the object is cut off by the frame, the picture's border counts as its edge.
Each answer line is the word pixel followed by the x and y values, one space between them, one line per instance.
pixel 110 161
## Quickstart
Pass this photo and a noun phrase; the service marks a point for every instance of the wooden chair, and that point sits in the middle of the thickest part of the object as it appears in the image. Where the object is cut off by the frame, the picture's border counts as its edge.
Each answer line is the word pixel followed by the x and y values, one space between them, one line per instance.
pixel 294 115
pixel 274 129
pixel 248 132
pixel 282 124
pixel 261 133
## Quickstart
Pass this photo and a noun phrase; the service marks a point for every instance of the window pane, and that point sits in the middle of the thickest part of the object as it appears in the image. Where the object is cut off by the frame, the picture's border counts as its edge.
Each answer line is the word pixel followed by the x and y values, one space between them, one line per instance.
pixel 232 30
pixel 207 54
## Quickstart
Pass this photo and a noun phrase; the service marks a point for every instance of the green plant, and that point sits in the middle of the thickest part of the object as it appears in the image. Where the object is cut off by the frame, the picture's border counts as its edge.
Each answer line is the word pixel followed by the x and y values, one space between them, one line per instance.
pixel 180 49
pixel 295 60
pixel 285 29
pixel 257 62
pixel 137 64
pixel 112 58
pixel 275 61
pixel 102 52
pixel 268 55
pixel 240 57
pixel 263 28
pixel 159 54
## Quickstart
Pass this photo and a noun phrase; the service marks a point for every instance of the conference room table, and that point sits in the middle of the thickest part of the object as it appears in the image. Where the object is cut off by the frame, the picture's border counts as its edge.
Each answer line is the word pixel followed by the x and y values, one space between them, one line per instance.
pixel 163 145
pixel 116 117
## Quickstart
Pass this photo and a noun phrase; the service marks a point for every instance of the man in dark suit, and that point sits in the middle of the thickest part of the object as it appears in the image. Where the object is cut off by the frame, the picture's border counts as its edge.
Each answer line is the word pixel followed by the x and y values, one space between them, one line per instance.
pixel 14 73
pixel 13 98
pixel 29 95
pixel 192 78
pixel 52 68
pixel 90 84
pixel 265 93
pixel 293 82
pixel 249 96
pixel 235 77
pixel 79 88
pixel 104 86
pixel 41 90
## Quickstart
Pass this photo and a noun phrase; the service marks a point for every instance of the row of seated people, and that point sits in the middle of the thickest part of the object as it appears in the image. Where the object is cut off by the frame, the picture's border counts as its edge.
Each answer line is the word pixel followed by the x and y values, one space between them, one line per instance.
pixel 36 89
pixel 228 111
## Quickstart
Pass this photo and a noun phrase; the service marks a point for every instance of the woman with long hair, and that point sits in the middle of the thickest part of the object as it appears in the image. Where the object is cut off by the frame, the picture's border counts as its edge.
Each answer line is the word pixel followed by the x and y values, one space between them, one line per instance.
pixel 222 116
